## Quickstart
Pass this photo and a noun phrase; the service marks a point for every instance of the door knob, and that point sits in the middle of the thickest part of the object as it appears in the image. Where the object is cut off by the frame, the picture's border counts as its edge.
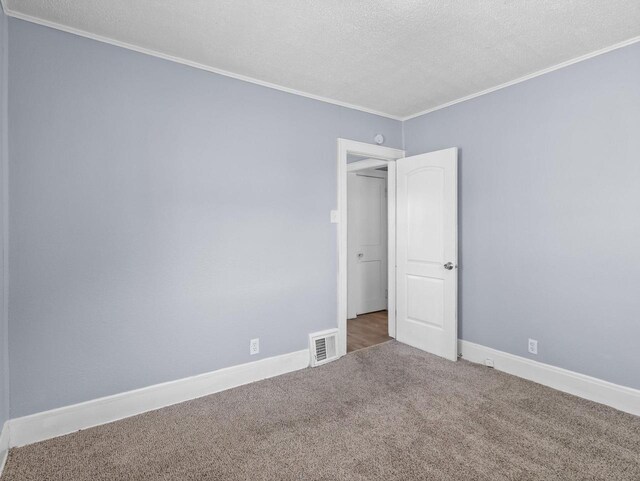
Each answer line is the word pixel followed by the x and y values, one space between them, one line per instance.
pixel 449 265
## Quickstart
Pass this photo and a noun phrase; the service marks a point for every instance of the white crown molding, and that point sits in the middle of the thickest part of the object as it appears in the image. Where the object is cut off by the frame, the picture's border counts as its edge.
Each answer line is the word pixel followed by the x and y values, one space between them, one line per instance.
pixel 183 61
pixel 620 397
pixel 57 422
pixel 525 78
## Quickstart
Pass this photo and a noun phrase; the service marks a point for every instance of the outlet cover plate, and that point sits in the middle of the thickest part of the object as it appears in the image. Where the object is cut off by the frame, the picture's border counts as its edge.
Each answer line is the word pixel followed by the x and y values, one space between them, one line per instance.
pixel 254 346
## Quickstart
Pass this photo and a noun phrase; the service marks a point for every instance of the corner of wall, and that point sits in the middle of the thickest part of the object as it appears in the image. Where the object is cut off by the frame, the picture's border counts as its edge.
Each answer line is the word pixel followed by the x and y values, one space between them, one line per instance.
pixel 4 329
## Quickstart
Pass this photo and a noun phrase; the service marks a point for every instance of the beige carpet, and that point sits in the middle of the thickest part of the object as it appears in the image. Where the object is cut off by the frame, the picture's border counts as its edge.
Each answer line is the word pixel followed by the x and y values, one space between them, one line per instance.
pixel 389 412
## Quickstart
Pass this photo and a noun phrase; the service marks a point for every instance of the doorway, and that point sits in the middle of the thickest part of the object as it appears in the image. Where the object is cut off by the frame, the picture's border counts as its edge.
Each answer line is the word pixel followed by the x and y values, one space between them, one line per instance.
pixel 353 157
pixel 422 246
pixel 367 239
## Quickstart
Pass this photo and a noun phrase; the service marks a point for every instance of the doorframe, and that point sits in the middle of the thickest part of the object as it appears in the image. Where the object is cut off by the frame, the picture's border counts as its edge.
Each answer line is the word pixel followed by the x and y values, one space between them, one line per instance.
pixel 375 156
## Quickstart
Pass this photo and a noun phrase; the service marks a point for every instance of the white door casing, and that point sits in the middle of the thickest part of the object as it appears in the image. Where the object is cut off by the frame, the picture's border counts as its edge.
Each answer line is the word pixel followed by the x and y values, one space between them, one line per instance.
pixel 367 242
pixel 380 156
pixel 427 252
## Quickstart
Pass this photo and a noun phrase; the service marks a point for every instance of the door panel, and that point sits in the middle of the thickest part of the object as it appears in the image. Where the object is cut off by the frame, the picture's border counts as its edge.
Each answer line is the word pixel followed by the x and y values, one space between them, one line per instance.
pixel 427 240
pixel 424 214
pixel 369 210
pixel 368 240
pixel 425 297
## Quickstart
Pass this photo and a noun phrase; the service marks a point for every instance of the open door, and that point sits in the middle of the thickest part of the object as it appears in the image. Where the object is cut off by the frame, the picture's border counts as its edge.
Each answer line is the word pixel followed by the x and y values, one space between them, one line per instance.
pixel 427 252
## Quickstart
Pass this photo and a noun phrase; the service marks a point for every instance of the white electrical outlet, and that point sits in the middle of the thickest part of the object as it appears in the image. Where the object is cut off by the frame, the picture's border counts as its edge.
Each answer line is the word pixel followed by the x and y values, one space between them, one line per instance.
pixel 533 346
pixel 254 346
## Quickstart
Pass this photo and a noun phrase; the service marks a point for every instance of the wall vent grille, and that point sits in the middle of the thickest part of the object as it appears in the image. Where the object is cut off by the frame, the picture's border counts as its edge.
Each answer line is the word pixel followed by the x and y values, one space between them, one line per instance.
pixel 324 347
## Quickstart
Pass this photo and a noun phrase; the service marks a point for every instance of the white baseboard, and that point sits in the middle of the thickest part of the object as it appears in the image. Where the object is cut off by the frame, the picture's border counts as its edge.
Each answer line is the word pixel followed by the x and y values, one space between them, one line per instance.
pixel 68 419
pixel 4 446
pixel 620 397
pixel 57 422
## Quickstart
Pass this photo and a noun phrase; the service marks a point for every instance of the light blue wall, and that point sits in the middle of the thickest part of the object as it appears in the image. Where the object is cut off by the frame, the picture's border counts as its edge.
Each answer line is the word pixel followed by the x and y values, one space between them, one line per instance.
pixel 161 217
pixel 550 214
pixel 4 334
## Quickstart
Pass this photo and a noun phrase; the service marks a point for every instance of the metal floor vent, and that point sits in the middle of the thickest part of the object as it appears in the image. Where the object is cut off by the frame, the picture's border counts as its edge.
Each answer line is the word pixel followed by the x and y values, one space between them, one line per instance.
pixel 323 346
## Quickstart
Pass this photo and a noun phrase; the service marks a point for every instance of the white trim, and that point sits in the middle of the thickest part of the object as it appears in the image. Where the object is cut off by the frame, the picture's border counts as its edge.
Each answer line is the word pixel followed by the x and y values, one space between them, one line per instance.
pixel 346 147
pixel 620 397
pixel 68 419
pixel 190 63
pixel 525 78
pixel 4 446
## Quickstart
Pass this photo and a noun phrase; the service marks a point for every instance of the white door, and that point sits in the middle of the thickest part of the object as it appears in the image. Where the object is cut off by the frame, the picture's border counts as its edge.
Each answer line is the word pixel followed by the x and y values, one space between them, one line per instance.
pixel 427 252
pixel 368 230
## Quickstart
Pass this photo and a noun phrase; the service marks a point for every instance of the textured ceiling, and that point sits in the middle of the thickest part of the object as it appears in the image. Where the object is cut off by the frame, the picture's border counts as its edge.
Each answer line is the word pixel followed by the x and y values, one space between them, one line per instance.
pixel 396 57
